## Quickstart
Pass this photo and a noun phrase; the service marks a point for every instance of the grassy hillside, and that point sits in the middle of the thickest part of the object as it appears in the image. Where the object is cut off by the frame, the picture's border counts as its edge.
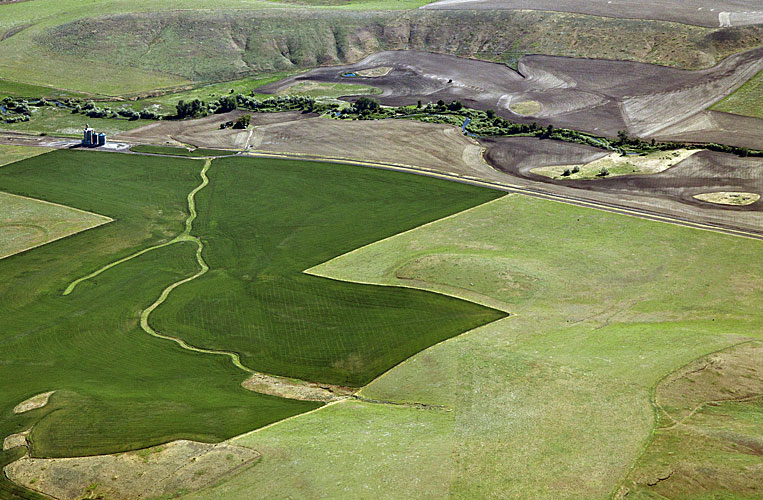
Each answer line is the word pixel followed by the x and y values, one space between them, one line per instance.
pixel 747 100
pixel 553 402
pixel 263 222
pixel 113 380
pixel 136 50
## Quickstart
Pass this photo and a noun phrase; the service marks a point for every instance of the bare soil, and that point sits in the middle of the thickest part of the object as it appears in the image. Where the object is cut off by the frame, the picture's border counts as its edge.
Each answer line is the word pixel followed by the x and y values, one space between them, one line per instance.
pixel 594 95
pixel 719 127
pixel 698 12
pixel 205 132
pixel 33 403
pixel 403 142
pixel 179 466
pixel 729 198
pixel 15 440
pixel 295 389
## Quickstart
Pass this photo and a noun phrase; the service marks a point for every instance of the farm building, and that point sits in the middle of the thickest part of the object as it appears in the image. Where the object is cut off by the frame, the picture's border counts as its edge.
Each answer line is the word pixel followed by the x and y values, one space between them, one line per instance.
pixel 91 138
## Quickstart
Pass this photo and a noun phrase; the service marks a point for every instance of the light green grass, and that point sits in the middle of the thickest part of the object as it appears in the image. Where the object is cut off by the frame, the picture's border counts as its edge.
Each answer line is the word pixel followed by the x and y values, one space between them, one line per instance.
pixel 27 223
pixel 555 401
pixel 17 89
pixel 747 100
pixel 319 89
pixel 117 387
pixel 307 458
pixel 52 120
pixel 263 222
pixel 10 154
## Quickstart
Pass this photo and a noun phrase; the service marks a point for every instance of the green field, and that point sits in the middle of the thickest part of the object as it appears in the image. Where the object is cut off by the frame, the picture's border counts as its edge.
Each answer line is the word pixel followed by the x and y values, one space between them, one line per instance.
pixel 747 100
pixel 119 388
pixel 265 221
pixel 114 381
pixel 175 151
pixel 553 402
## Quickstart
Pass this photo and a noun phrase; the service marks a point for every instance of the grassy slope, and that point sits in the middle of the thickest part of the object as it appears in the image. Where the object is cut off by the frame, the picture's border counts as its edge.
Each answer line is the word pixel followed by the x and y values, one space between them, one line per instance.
pixel 552 402
pixel 137 51
pixel 265 221
pixel 747 100
pixel 115 381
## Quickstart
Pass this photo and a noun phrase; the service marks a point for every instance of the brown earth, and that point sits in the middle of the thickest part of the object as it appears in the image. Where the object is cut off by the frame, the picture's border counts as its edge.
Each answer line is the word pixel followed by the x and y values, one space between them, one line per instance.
pixel 669 192
pixel 593 95
pixel 698 12
pixel 403 142
pixel 205 132
pixel 719 127
pixel 153 472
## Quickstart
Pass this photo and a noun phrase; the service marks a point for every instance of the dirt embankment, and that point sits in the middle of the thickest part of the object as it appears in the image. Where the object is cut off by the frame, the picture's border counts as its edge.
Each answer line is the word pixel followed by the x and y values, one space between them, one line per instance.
pixel 218 45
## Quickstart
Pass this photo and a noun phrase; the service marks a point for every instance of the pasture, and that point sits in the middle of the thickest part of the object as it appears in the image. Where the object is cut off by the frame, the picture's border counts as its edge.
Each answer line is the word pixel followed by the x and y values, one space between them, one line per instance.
pixel 554 401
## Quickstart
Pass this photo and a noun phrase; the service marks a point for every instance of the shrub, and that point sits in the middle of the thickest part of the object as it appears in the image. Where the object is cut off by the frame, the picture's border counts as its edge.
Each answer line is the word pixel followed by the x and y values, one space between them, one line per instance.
pixel 242 122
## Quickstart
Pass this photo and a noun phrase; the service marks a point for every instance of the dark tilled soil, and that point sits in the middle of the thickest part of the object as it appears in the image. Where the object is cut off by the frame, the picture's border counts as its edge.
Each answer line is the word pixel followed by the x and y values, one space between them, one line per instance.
pixel 719 127
pixel 703 172
pixel 597 96
pixel 697 12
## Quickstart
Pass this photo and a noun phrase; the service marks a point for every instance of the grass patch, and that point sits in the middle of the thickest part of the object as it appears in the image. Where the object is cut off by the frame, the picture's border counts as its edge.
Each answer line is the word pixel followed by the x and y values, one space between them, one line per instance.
pixel 117 387
pixel 11 154
pixel 525 107
pixel 320 89
pixel 264 222
pixel 746 100
pixel 18 89
pixel 729 198
pixel 616 164
pixel 175 151
pixel 27 223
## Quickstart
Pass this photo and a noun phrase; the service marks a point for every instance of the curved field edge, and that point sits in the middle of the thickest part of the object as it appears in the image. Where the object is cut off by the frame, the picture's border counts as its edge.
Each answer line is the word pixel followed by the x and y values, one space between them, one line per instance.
pixel 262 226
pixel 551 402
